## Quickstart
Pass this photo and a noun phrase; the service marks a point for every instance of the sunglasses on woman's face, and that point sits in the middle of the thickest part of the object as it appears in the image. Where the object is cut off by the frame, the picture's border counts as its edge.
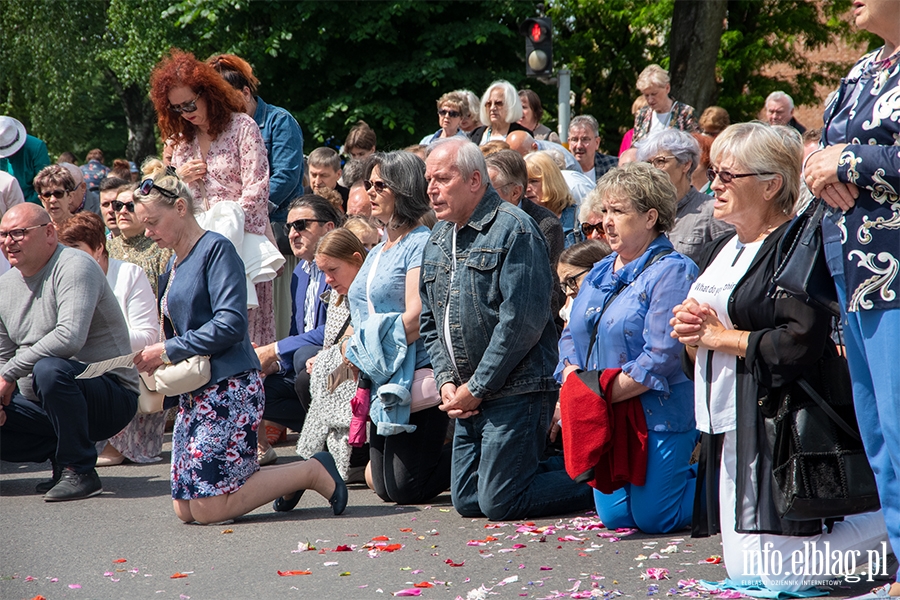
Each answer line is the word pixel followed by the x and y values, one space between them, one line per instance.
pixel 587 229
pixel 118 206
pixel 300 225
pixel 185 107
pixel 379 186
pixel 449 113
pixel 58 194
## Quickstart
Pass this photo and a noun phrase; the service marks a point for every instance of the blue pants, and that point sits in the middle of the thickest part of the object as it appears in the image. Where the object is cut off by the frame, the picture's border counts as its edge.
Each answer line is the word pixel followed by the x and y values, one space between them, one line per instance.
pixel 666 500
pixel 72 415
pixel 496 470
pixel 871 340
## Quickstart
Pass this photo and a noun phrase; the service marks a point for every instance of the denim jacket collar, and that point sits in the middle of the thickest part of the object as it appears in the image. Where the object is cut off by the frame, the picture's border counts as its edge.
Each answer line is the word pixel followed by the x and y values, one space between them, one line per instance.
pixel 486 211
pixel 261 113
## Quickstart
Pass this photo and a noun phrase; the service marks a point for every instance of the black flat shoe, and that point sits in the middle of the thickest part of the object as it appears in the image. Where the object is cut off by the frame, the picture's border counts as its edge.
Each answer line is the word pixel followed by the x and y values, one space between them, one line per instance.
pixel 282 505
pixel 338 499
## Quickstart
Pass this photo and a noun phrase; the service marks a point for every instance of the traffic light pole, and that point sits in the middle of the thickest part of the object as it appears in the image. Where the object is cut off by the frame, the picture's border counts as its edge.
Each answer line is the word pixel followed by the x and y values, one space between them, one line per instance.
pixel 564 84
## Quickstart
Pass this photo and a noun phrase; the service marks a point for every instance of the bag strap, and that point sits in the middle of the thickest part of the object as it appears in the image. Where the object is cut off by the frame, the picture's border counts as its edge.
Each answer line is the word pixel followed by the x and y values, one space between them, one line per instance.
pixel 620 286
pixel 827 409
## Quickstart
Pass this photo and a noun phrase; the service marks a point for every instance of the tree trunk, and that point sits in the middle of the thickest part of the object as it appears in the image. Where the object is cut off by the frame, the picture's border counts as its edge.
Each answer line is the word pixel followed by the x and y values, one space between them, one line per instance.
pixel 693 50
pixel 140 118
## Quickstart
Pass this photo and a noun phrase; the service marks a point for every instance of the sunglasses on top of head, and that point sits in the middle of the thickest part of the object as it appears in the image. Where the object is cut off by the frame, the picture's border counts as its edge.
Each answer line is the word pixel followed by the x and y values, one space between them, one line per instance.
pixel 148 185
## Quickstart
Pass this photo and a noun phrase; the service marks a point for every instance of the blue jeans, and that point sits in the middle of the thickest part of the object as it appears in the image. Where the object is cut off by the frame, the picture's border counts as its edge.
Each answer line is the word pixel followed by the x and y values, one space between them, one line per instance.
pixel 665 502
pixel 871 339
pixel 496 469
pixel 72 415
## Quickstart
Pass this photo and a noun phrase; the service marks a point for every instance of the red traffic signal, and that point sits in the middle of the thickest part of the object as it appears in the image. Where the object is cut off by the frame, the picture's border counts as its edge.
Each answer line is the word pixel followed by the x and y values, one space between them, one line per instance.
pixel 538 32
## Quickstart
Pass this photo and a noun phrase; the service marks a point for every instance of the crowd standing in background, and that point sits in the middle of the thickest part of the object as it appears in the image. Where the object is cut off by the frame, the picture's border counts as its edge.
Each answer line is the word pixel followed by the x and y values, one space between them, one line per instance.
pixel 413 314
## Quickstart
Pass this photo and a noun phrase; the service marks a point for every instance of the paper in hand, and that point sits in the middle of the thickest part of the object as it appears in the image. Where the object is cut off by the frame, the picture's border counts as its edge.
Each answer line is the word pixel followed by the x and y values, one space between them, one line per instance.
pixel 99 368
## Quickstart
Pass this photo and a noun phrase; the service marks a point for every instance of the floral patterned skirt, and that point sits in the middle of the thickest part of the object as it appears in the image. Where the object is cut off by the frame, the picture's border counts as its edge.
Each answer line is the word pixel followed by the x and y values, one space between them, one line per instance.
pixel 214 439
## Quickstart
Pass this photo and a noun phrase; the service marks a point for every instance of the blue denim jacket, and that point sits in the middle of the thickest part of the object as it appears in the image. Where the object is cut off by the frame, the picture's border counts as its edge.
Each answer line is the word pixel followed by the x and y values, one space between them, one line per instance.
pixel 502 332
pixel 379 349
pixel 284 147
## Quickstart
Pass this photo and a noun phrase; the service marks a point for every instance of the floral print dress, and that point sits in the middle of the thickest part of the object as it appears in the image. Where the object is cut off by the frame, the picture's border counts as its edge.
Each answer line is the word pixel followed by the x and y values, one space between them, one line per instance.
pixel 237 170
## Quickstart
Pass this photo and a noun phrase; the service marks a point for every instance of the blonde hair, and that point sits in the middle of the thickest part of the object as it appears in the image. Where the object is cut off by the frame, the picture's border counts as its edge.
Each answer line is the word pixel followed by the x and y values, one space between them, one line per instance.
pixel 642 185
pixel 758 147
pixel 341 244
pixel 652 75
pixel 360 226
pixel 166 178
pixel 556 194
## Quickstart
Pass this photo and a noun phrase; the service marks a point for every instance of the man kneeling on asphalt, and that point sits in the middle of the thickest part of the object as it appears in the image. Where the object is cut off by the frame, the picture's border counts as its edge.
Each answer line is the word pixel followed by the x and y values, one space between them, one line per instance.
pixel 487 326
pixel 57 314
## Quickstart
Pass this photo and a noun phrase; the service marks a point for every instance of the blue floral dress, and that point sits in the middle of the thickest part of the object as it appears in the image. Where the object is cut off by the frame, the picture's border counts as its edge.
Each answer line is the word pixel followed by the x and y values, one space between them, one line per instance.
pixel 214 438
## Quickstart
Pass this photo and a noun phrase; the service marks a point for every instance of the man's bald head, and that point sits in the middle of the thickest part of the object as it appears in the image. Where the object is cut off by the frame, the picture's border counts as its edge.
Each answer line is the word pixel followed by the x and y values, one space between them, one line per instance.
pixel 38 242
pixel 520 141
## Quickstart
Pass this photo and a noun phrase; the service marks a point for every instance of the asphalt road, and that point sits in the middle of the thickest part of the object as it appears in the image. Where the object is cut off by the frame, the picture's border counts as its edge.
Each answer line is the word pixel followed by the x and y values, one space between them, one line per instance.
pixel 127 543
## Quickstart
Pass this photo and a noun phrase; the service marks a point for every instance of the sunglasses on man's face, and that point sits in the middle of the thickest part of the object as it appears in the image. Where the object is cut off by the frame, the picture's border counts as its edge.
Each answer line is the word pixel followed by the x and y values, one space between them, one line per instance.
pixel 379 186
pixel 300 225
pixel 58 194
pixel 118 206
pixel 185 107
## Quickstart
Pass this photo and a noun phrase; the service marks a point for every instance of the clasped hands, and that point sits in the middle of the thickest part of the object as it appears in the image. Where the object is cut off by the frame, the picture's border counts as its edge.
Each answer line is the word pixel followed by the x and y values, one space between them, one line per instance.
pixel 458 402
pixel 820 175
pixel 695 324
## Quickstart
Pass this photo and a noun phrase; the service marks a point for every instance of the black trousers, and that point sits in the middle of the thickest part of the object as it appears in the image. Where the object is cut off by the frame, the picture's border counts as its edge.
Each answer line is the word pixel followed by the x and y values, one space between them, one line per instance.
pixel 73 414
pixel 288 396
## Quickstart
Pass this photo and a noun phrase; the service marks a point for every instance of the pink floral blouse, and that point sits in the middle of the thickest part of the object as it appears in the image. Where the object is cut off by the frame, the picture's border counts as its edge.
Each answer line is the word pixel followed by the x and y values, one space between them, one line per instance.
pixel 236 169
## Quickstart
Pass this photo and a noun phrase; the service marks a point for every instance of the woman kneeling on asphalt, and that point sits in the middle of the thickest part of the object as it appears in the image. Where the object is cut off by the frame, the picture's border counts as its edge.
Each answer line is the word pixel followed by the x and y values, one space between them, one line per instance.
pixel 215 472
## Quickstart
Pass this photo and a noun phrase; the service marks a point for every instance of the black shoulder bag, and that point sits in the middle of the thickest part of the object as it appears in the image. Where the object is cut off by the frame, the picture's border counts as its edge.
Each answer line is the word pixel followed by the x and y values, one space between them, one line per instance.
pixel 818 461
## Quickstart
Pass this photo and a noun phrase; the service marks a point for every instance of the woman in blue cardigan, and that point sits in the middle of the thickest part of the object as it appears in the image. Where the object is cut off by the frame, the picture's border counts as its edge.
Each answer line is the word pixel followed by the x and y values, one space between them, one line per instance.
pixel 215 472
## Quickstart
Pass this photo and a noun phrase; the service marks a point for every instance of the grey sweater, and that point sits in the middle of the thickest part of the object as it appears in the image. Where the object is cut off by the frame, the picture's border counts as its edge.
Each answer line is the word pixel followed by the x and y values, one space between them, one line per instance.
pixel 66 310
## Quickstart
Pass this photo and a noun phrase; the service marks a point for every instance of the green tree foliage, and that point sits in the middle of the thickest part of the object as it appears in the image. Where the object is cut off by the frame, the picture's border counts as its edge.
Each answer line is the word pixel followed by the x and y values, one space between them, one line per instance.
pixel 332 63
pixel 72 70
pixel 606 44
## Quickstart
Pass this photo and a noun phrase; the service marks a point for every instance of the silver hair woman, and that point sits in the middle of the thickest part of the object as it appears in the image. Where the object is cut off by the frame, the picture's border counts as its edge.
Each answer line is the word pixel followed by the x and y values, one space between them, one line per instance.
pixel 749 350
pixel 677 154
pixel 501 108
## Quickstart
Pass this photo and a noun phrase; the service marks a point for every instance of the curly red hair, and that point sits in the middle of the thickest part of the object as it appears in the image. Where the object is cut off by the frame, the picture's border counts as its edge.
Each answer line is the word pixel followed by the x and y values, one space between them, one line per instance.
pixel 182 68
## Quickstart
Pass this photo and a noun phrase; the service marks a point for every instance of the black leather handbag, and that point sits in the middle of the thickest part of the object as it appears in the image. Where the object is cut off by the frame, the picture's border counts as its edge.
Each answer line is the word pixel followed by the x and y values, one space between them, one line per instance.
pixel 819 465
pixel 803 272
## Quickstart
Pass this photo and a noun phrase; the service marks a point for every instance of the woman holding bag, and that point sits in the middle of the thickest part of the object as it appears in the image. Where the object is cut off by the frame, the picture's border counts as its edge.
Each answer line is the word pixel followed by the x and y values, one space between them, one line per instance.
pixel 218 151
pixel 410 464
pixel 857 172
pixel 748 350
pixel 215 472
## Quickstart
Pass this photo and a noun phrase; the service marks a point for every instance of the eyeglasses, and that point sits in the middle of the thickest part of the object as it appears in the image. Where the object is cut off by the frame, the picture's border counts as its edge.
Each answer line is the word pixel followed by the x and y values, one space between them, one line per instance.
pixel 18 235
pixel 497 103
pixel 660 161
pixel 301 225
pixel 453 114
pixel 727 177
pixel 148 186
pixel 58 194
pixel 379 186
pixel 570 283
pixel 118 206
pixel 185 107
pixel 587 229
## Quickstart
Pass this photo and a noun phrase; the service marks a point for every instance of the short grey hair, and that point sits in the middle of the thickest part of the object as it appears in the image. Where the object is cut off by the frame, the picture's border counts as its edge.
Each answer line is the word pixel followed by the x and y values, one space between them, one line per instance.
pixel 511 102
pixel 585 122
pixel 510 166
pixel 680 144
pixel 472 99
pixel 469 158
pixel 404 174
pixel 652 75
pixel 758 147
pixel 646 187
pixel 778 96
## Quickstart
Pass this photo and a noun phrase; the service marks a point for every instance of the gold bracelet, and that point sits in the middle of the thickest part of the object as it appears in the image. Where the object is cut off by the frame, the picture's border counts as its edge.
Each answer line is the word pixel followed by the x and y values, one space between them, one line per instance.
pixel 740 338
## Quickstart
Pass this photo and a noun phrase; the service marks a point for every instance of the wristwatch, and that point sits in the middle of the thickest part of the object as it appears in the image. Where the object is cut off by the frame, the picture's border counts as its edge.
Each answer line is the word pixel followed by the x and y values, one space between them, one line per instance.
pixel 164 357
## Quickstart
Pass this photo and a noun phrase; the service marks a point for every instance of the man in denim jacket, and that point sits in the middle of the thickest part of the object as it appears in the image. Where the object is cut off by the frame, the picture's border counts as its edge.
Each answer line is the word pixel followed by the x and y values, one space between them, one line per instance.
pixel 486 323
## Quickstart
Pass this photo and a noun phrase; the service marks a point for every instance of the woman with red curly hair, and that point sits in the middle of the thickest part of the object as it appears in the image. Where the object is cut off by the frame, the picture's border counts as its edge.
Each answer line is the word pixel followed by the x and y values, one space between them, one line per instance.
pixel 218 151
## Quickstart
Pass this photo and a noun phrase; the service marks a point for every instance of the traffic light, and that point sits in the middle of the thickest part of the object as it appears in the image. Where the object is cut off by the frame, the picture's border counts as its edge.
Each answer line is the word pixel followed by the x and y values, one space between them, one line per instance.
pixel 538 32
